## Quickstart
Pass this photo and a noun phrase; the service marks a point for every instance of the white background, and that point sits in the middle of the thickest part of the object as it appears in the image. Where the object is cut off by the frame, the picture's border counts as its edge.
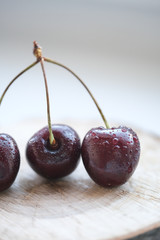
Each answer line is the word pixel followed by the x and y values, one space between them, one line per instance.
pixel 114 46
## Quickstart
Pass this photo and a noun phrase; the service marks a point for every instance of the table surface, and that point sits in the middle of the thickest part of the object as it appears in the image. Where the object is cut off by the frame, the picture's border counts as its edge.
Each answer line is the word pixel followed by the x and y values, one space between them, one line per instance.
pixel 75 207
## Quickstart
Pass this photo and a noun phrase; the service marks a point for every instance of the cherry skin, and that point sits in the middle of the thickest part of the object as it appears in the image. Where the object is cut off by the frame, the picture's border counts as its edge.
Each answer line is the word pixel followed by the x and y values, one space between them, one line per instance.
pixel 9 161
pixel 110 156
pixel 57 161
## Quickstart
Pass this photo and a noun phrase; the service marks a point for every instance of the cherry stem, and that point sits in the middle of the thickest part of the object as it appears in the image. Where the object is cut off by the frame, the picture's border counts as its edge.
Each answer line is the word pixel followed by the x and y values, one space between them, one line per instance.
pixel 51 136
pixel 38 53
pixel 99 109
pixel 26 69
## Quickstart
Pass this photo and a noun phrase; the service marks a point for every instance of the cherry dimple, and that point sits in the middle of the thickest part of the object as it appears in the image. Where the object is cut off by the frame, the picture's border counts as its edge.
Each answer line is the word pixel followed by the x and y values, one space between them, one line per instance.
pixel 135 139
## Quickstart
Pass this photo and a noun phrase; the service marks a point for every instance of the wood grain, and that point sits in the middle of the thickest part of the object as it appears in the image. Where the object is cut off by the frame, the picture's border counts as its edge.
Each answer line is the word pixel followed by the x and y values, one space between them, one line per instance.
pixel 74 207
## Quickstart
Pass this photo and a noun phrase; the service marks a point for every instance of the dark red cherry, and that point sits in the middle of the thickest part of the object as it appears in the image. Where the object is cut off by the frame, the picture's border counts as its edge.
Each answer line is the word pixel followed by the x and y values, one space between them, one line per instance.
pixel 9 161
pixel 57 161
pixel 110 156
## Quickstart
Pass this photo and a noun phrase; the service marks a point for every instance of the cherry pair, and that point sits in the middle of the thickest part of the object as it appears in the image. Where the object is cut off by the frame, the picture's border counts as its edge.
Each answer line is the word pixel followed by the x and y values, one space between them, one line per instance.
pixel 110 155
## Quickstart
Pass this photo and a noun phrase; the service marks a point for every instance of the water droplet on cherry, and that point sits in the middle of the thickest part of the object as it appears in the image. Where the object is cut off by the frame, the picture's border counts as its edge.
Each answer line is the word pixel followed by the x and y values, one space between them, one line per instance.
pixel 130 169
pixel 135 139
pixel 115 141
pixel 125 147
pixel 124 130
pixel 116 147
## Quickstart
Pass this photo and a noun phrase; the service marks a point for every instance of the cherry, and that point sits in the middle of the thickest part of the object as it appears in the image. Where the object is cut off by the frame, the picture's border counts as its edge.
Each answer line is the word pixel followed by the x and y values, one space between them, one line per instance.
pixel 110 156
pixel 54 161
pixel 9 161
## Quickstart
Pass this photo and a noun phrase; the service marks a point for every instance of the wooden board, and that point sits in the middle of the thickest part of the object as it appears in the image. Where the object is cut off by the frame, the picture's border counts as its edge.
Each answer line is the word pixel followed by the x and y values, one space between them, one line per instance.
pixel 75 208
